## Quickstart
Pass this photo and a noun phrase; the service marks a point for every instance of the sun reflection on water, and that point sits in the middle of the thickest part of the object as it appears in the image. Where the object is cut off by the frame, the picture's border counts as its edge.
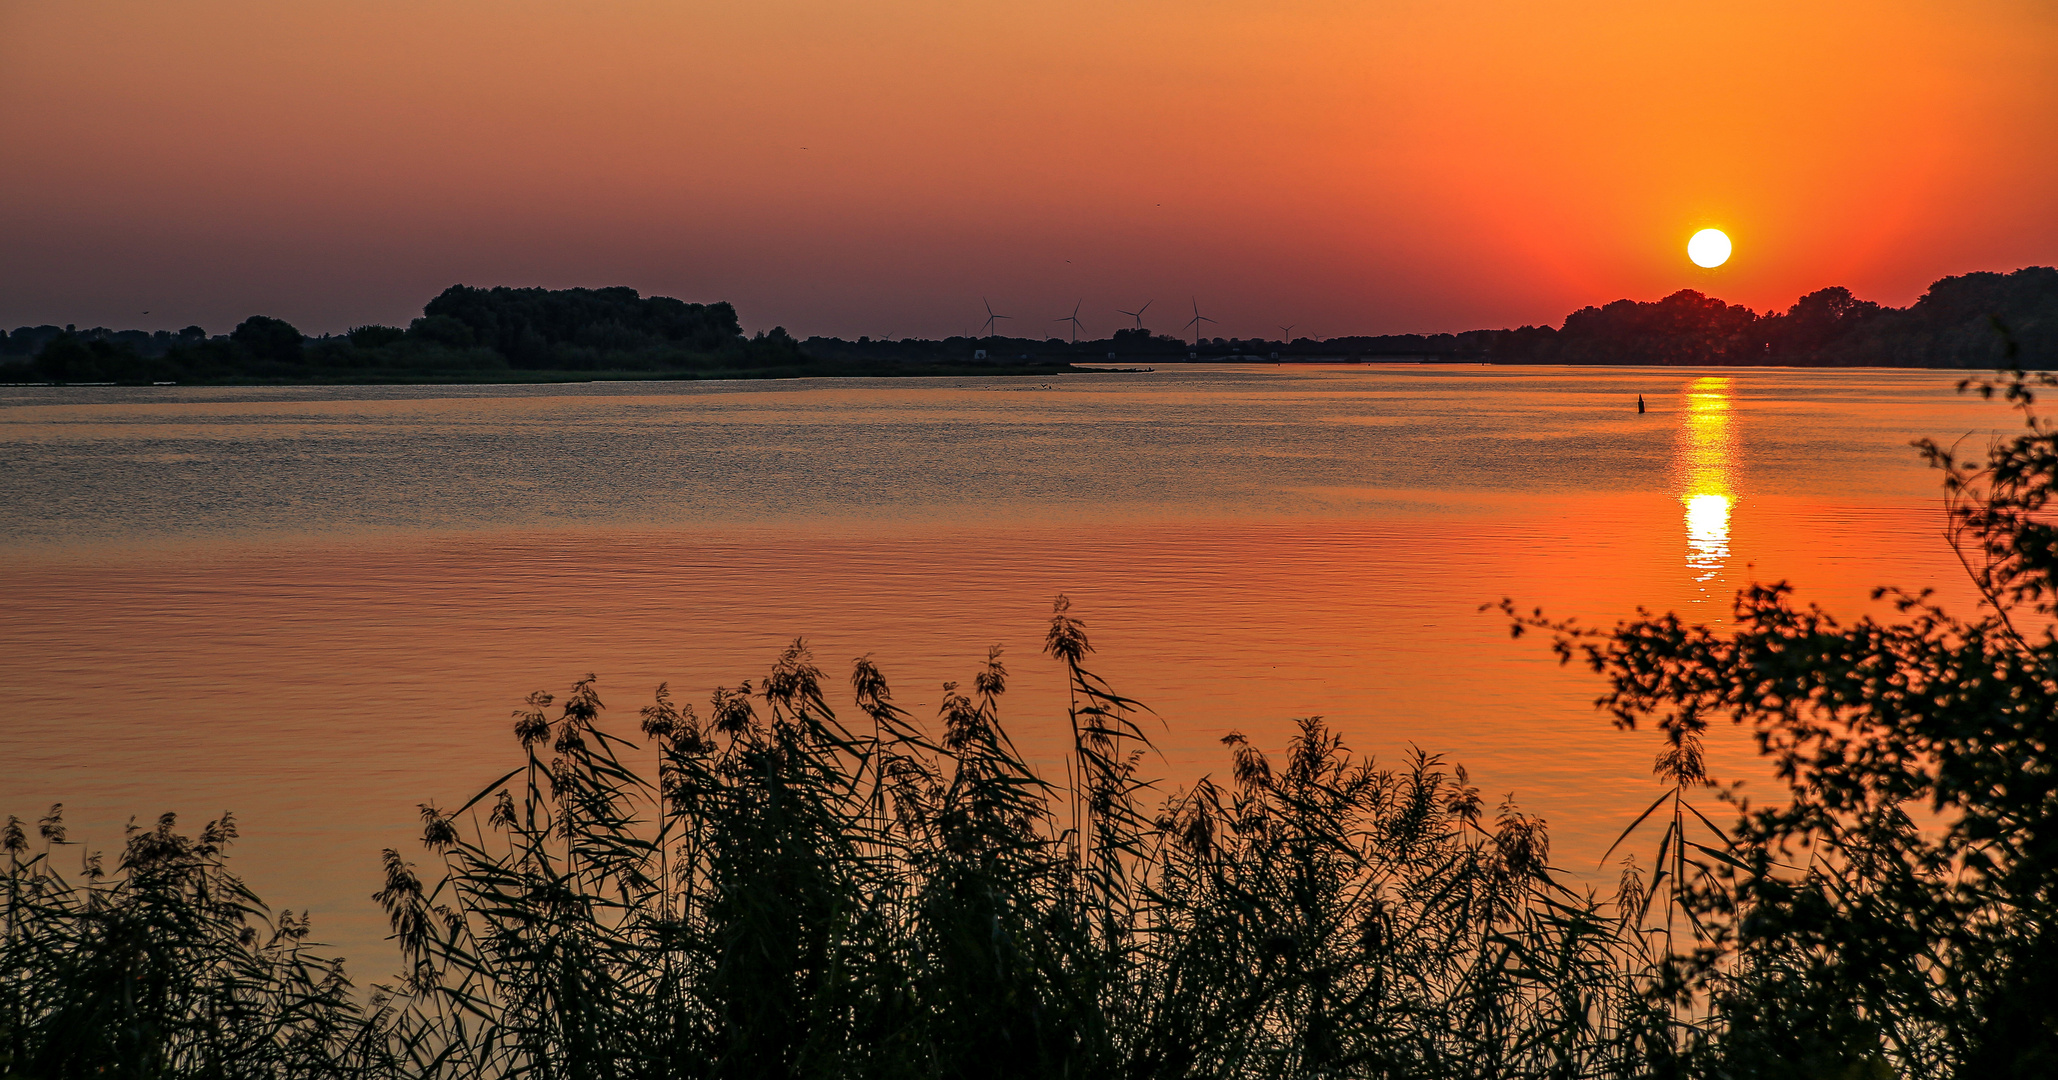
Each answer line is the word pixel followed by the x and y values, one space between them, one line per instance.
pixel 1706 454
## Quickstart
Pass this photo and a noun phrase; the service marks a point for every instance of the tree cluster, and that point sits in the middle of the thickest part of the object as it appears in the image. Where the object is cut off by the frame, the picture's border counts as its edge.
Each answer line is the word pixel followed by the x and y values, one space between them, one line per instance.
pixel 1952 325
pixel 575 329
pixel 463 333
pixel 506 333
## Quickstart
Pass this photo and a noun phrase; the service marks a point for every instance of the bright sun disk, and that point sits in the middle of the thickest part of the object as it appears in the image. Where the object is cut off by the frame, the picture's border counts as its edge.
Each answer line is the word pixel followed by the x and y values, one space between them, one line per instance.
pixel 1709 247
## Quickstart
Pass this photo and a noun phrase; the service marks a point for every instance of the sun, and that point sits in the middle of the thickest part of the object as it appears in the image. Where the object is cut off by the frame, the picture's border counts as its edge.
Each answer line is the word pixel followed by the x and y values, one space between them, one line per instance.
pixel 1709 248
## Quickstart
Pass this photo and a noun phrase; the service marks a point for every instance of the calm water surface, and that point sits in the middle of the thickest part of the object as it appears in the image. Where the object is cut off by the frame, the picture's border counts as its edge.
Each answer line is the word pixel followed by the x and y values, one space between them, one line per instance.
pixel 317 606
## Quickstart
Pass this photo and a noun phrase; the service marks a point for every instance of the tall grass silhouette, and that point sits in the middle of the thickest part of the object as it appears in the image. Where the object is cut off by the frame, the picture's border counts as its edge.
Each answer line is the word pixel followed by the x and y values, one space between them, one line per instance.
pixel 796 894
pixel 774 889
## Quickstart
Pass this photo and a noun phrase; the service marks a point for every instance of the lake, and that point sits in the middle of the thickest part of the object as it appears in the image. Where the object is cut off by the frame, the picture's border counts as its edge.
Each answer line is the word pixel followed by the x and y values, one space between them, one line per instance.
pixel 317 606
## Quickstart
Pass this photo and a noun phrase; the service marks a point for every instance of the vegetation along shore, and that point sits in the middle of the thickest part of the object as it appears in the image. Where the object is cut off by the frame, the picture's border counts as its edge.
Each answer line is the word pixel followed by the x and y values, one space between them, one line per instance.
pixel 541 335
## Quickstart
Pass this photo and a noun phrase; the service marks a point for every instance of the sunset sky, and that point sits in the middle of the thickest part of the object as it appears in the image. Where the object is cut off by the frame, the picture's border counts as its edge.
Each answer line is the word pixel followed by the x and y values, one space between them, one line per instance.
pixel 874 168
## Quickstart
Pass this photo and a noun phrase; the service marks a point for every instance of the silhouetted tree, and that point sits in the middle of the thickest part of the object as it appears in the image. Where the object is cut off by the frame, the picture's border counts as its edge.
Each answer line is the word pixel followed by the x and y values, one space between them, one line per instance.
pixel 1684 328
pixel 269 339
pixel 1899 902
pixel 442 330
pixel 544 327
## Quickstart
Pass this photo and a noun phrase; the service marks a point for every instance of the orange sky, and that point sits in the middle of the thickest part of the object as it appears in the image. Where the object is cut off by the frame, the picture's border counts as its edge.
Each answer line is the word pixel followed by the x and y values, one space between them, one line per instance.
pixel 1348 167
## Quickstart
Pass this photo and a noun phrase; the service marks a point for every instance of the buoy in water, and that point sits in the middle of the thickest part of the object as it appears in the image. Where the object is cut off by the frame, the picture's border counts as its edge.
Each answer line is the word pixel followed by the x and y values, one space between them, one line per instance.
pixel 1639 404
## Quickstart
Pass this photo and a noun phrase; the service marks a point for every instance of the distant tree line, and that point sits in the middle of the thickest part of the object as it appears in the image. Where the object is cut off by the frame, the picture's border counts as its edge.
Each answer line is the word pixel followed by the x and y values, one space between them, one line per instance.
pixel 463 333
pixel 1952 325
pixel 515 334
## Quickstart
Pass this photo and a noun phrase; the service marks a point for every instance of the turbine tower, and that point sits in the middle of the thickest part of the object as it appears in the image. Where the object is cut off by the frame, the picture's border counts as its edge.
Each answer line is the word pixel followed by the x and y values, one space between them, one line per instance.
pixel 1138 313
pixel 992 320
pixel 1073 318
pixel 1196 322
pixel 1288 331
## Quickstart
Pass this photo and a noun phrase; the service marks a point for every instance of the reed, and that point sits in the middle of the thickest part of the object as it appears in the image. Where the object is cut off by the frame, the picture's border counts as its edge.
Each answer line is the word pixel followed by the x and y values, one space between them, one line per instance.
pixel 794 895
pixel 167 966
pixel 774 889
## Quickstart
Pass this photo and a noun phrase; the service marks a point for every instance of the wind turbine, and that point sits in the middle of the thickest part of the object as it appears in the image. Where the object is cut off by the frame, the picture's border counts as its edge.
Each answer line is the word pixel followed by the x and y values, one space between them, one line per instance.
pixel 986 328
pixel 1196 322
pixel 1138 313
pixel 1073 318
pixel 1288 331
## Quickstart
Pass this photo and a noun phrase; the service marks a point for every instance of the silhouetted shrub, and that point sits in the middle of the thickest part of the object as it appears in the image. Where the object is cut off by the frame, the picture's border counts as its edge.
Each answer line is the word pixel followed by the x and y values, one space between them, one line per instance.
pixel 1900 905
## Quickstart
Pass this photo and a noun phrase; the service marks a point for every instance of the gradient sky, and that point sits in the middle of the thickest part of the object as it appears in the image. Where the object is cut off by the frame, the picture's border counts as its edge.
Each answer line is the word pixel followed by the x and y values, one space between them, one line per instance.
pixel 874 168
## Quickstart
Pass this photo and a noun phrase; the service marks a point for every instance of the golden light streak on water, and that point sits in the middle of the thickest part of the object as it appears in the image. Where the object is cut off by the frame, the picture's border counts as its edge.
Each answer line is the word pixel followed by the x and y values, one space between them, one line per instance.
pixel 1707 533
pixel 1707 455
